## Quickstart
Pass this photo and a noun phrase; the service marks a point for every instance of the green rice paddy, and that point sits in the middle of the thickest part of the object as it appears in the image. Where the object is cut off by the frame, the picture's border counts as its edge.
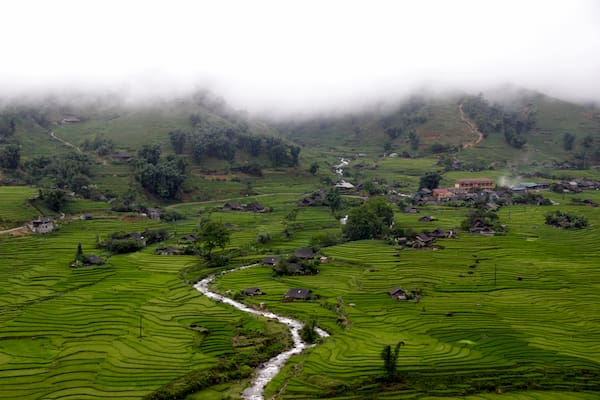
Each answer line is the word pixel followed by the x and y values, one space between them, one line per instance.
pixel 516 313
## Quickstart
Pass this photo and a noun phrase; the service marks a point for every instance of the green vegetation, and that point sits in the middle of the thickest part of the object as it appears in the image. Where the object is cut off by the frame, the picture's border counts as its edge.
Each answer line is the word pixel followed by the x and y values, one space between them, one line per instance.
pixel 370 220
pixel 390 359
pixel 563 220
pixel 493 118
pixel 213 234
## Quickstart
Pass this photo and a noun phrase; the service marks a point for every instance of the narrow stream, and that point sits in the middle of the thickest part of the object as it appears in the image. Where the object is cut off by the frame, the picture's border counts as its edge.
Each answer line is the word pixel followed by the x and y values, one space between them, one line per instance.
pixel 269 369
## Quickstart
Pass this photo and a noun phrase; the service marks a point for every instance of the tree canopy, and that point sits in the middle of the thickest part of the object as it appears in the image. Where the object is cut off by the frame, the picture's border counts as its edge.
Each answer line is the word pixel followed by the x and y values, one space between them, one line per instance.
pixel 430 180
pixel 370 220
pixel 213 234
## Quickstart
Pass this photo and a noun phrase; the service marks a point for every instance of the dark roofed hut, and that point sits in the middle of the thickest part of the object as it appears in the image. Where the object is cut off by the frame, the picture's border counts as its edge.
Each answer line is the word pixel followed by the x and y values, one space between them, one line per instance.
pixel 121 156
pixel 232 206
pixel 398 293
pixel 253 291
pixel 297 294
pixel 190 238
pixel 255 207
pixel 93 259
pixel 304 253
pixel 270 261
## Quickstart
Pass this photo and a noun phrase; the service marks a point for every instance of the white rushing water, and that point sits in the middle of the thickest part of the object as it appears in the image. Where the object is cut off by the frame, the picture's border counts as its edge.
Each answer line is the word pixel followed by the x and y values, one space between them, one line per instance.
pixel 339 168
pixel 268 370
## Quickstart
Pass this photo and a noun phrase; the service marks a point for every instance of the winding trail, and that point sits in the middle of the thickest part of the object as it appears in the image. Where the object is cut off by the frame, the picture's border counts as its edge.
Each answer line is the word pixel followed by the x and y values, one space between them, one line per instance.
pixel 18 228
pixel 267 371
pixel 53 136
pixel 472 127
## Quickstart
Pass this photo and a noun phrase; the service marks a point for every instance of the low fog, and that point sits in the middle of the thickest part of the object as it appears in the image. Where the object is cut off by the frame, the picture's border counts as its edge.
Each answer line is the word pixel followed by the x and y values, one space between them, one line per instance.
pixel 299 56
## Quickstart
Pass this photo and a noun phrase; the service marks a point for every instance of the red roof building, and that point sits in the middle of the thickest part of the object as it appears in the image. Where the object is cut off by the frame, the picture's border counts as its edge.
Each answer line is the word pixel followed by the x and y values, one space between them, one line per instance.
pixel 475 184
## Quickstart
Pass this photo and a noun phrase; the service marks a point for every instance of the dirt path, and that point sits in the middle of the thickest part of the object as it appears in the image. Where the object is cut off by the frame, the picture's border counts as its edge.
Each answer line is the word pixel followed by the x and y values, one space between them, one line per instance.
pixel 472 128
pixel 53 136
pixel 18 228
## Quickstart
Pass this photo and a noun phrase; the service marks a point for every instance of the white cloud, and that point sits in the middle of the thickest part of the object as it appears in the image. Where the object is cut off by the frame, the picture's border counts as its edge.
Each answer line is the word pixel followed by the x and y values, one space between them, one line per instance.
pixel 300 54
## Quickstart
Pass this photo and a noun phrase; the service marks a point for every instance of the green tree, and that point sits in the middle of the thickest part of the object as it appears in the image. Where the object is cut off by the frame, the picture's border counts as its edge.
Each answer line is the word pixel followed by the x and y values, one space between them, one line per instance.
pixel 568 141
pixel 431 180
pixel 390 359
pixel 295 153
pixel 177 139
pixel 334 200
pixel 587 141
pixel 414 140
pixel 213 234
pixel 54 199
pixel 150 153
pixel 308 333
pixel 369 220
pixel 10 156
pixel 79 253
pixel 314 167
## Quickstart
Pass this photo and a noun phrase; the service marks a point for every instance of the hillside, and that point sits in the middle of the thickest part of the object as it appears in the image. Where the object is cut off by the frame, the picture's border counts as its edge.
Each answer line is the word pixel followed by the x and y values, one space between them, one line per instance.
pixel 227 152
pixel 443 131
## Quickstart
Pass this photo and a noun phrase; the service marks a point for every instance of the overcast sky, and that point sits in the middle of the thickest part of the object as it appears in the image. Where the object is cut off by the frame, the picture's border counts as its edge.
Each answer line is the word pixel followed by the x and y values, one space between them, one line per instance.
pixel 300 54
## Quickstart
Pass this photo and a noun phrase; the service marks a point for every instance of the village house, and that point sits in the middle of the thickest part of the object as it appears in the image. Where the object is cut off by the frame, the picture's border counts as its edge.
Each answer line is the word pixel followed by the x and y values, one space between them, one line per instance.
pixel 41 225
pixel 343 185
pixel 254 207
pixel 253 291
pixel 442 194
pixel 121 156
pixel 93 259
pixel 398 293
pixel 169 251
pixel 481 228
pixel 297 294
pixel 153 213
pixel 304 253
pixel 190 238
pixel 232 206
pixel 474 184
pixel 270 261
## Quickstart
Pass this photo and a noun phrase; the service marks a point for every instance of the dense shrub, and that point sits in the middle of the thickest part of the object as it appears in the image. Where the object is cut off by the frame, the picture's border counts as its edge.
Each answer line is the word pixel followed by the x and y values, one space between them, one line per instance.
pixel 563 220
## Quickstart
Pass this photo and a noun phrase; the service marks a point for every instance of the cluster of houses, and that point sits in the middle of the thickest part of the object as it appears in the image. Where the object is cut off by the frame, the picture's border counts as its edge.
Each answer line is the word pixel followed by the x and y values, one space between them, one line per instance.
pixel 293 294
pixel 473 189
pixel 426 239
pixel 313 199
pixel 302 262
pixel 250 207
pixel 578 185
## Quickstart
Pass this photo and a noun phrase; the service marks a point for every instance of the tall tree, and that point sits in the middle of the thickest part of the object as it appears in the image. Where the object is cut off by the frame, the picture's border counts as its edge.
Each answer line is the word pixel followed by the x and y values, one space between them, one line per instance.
pixel 390 360
pixel 334 200
pixel 150 153
pixel 10 156
pixel 369 220
pixel 213 234
pixel 430 181
pixel 568 141
pixel 177 139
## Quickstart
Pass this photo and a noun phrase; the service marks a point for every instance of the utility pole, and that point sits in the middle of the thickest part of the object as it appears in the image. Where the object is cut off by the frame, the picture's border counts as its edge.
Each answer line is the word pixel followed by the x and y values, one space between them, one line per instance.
pixel 141 315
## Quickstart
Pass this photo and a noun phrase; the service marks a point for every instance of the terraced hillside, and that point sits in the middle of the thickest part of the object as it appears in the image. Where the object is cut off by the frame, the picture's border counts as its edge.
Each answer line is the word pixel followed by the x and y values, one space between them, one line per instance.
pixel 75 333
pixel 499 313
